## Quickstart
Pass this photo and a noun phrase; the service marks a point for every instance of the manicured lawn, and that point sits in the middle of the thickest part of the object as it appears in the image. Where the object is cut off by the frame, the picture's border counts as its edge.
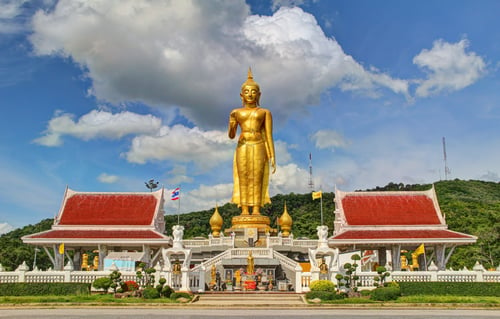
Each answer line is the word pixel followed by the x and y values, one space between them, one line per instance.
pixel 90 299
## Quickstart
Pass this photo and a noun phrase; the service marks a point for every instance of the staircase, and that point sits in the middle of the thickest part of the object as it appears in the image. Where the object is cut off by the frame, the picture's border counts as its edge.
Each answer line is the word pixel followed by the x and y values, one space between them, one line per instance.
pixel 252 300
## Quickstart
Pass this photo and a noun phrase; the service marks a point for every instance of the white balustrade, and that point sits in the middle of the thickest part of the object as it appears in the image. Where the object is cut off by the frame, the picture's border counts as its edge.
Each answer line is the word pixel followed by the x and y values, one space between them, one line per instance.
pixel 366 279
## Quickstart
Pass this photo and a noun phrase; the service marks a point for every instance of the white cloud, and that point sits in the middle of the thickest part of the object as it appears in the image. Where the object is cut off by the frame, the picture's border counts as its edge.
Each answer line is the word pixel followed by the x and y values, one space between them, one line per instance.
pixel 194 54
pixel 202 198
pixel 289 178
pixel 281 151
pixel 179 143
pixel 107 179
pixel 97 124
pixel 9 10
pixel 5 228
pixel 328 139
pixel 178 175
pixel 449 67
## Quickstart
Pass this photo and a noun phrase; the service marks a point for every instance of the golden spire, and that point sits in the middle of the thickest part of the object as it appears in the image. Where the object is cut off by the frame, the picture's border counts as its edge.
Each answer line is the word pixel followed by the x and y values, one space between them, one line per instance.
pixel 285 222
pixel 250 80
pixel 216 222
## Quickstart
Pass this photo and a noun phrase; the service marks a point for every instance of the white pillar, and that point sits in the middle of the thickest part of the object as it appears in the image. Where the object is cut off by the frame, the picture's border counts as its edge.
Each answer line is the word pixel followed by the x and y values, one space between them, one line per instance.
pixel 202 278
pixel 298 279
pixel 185 279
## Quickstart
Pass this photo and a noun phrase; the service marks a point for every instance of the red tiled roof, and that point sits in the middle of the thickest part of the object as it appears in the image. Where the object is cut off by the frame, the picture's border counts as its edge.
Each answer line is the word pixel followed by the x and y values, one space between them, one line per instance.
pixel 389 210
pixel 93 234
pixel 108 209
pixel 399 234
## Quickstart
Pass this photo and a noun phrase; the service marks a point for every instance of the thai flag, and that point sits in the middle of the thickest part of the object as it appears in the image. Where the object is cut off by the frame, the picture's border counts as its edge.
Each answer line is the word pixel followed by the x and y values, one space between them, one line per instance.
pixel 176 193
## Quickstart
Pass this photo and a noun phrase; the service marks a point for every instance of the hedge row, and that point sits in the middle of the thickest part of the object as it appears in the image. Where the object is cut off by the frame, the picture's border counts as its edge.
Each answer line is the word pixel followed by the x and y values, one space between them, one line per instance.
pixel 450 288
pixel 385 293
pixel 41 289
pixel 324 295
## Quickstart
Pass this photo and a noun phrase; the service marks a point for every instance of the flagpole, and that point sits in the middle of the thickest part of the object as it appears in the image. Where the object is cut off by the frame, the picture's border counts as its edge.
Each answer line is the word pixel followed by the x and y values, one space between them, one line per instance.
pixel 179 208
pixel 425 261
pixel 321 203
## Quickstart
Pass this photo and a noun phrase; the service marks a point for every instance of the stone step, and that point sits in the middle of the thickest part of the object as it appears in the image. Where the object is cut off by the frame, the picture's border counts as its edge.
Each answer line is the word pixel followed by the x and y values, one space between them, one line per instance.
pixel 246 299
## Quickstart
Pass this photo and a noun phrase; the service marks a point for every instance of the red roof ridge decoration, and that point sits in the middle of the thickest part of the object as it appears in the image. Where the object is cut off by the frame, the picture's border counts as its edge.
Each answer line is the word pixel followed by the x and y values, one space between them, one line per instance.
pixel 391 216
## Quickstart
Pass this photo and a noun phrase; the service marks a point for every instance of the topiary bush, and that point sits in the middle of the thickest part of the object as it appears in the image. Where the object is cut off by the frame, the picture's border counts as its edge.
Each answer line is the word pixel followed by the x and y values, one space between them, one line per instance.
pixel 150 293
pixel 382 275
pixel 102 283
pixel 385 293
pixel 167 291
pixel 322 285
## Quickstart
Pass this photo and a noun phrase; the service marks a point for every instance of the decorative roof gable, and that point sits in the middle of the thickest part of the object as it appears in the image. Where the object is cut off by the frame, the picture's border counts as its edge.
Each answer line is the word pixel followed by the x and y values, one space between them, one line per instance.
pixel 389 209
pixel 108 209
pixel 385 217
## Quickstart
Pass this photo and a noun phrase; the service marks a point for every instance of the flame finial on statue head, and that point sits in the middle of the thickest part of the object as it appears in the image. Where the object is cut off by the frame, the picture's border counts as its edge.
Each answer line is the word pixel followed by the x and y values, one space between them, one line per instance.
pixel 250 80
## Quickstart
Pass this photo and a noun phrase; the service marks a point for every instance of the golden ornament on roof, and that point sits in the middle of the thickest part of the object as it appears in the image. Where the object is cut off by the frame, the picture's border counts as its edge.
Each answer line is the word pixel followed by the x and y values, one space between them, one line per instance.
pixel 216 222
pixel 285 222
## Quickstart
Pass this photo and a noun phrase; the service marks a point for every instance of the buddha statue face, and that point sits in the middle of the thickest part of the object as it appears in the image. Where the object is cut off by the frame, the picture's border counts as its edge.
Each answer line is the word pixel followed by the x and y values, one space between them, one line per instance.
pixel 250 95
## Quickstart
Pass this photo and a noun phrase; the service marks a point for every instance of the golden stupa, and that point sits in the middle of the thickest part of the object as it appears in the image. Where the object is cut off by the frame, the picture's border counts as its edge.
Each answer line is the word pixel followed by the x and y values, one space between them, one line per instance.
pixel 285 222
pixel 216 222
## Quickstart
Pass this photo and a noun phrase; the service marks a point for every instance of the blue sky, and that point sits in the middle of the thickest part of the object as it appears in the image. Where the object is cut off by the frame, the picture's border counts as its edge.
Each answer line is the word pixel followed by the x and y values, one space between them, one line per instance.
pixel 105 95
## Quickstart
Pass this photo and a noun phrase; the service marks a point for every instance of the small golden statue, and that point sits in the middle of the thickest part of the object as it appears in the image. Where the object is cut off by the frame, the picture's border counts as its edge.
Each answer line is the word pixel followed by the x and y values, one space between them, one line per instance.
pixel 414 262
pixel 176 269
pixel 404 262
pixel 250 263
pixel 85 262
pixel 323 268
pixel 237 276
pixel 254 151
pixel 96 263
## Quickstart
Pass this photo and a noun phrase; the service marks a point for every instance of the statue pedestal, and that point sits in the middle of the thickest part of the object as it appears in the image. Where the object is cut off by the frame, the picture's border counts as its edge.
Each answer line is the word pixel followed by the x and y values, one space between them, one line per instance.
pixel 250 230
pixel 251 221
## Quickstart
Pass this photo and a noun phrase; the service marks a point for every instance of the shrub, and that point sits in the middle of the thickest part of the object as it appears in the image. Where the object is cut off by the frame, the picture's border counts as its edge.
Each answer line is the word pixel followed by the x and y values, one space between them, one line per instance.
pixel 167 291
pixel 322 285
pixel 382 274
pixel 102 283
pixel 131 285
pixel 391 284
pixel 324 295
pixel 150 293
pixel 366 292
pixel 176 295
pixel 385 293
pixel 451 288
pixel 43 289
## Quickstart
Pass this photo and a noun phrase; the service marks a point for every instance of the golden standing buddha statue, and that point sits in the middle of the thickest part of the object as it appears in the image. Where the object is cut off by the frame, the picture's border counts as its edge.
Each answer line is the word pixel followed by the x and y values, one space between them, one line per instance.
pixel 254 151
pixel 250 263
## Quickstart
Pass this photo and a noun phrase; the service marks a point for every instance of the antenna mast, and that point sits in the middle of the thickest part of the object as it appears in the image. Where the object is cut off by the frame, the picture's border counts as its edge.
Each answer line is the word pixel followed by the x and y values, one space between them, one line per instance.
pixel 446 169
pixel 311 183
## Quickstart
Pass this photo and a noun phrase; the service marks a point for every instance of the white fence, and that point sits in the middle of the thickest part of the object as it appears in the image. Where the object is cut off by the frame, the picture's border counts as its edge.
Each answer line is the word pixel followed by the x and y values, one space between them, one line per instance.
pixel 366 279
pixel 196 280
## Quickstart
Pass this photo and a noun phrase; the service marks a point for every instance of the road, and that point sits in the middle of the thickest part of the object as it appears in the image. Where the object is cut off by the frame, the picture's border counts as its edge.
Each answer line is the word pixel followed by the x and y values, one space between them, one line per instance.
pixel 143 313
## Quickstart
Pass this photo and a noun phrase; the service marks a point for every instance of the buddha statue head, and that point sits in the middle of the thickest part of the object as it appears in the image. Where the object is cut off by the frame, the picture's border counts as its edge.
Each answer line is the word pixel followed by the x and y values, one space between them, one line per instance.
pixel 250 90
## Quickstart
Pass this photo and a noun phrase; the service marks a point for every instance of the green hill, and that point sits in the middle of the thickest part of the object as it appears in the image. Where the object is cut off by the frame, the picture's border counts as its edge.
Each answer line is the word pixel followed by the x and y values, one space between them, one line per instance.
pixel 472 207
